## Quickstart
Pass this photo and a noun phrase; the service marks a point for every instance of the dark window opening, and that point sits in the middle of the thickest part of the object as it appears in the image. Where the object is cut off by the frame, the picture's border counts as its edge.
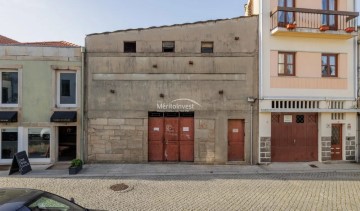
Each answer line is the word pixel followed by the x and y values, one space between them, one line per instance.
pixel 300 119
pixel 207 47
pixel 65 88
pixel 129 47
pixel 168 46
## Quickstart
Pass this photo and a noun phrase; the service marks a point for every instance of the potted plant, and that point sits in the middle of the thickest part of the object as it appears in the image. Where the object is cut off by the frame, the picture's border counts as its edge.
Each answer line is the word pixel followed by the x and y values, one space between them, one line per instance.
pixel 324 28
pixel 291 26
pixel 76 166
pixel 350 29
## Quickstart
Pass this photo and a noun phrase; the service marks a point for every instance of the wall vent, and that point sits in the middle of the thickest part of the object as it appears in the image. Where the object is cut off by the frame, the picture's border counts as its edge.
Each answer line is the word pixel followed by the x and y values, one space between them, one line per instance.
pixel 337 116
pixel 289 104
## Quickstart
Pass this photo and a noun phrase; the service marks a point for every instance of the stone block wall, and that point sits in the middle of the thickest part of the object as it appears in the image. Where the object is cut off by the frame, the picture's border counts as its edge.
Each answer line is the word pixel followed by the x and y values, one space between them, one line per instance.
pixel 325 148
pixel 204 141
pixel 350 148
pixel 117 140
pixel 265 150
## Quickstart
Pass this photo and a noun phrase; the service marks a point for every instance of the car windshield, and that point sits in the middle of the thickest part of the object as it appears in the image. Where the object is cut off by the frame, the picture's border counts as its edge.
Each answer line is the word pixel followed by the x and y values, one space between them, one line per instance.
pixel 52 202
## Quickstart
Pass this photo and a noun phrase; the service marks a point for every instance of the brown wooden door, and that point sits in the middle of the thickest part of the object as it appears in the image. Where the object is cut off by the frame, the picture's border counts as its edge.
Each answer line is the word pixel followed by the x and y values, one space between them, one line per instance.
pixel 236 135
pixel 336 142
pixel 156 136
pixel 186 125
pixel 294 137
pixel 171 136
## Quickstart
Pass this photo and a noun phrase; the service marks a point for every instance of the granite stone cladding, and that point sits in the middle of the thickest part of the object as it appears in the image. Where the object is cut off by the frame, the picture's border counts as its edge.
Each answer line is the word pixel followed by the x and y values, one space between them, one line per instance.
pixel 265 150
pixel 350 148
pixel 325 148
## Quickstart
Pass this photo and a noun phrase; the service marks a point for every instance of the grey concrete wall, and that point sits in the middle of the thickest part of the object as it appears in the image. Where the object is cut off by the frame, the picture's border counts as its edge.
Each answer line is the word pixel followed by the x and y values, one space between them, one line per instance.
pixel 127 85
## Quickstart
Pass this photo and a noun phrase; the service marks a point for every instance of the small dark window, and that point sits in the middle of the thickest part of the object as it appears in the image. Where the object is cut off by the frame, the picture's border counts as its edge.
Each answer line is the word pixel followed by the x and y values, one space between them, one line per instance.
pixel 129 47
pixel 300 118
pixel 207 47
pixel 168 46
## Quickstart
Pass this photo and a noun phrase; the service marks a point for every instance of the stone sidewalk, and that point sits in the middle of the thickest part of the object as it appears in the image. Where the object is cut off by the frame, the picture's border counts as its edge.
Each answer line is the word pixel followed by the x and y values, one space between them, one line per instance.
pixel 161 169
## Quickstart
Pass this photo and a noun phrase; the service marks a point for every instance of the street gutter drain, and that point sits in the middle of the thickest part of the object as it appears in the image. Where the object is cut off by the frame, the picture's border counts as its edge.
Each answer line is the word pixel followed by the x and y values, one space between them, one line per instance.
pixel 313 166
pixel 119 187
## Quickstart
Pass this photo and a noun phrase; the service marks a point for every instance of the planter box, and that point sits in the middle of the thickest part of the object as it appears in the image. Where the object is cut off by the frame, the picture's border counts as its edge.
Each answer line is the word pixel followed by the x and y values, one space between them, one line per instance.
pixel 350 29
pixel 324 28
pixel 75 169
pixel 291 26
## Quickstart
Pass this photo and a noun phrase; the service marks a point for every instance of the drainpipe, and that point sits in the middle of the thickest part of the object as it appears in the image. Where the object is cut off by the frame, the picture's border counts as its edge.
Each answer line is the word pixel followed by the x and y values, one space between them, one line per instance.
pixel 82 134
pixel 251 134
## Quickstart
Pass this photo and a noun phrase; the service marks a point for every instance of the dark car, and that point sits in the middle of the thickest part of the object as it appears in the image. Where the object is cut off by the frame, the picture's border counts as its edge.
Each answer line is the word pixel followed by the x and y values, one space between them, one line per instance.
pixel 21 199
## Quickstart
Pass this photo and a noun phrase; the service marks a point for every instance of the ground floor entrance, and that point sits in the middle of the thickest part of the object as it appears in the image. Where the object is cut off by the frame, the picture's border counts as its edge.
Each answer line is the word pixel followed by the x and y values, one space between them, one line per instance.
pixel 236 135
pixel 294 137
pixel 67 143
pixel 171 136
pixel 336 142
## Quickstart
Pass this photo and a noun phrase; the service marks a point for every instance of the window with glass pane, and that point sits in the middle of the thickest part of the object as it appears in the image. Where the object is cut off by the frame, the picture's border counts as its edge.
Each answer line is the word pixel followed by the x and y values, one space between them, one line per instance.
pixel 285 17
pixel 329 20
pixel 39 142
pixel 67 88
pixel 9 88
pixel 329 65
pixel 286 63
pixel 9 143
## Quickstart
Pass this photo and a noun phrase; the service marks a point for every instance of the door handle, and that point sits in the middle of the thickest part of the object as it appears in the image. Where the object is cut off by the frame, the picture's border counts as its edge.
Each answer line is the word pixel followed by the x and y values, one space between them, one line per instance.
pixel 294 141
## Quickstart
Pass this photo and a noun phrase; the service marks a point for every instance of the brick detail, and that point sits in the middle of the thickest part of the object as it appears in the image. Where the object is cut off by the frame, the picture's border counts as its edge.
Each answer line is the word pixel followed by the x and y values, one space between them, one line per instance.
pixel 325 148
pixel 117 140
pixel 265 150
pixel 350 148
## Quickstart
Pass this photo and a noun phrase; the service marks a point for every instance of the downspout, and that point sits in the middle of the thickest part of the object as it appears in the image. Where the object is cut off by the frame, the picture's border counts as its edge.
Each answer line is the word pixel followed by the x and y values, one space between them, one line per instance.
pixel 356 68
pixel 260 67
pixel 251 134
pixel 82 135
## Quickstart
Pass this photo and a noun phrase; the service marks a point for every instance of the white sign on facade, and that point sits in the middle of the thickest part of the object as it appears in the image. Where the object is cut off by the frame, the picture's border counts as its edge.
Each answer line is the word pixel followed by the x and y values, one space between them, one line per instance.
pixel 235 130
pixel 186 129
pixel 288 118
pixel 156 129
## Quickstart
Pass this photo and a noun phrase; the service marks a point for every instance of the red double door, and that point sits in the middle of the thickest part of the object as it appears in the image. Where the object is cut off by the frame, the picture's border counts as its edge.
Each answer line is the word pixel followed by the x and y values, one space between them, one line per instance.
pixel 171 136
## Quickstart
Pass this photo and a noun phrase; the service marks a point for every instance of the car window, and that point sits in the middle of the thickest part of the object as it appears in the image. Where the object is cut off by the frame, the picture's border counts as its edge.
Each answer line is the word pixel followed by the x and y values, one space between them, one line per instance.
pixel 54 203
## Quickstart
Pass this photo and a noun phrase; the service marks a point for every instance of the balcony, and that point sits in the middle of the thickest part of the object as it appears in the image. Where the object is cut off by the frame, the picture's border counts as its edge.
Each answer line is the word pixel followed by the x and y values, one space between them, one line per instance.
pixel 288 21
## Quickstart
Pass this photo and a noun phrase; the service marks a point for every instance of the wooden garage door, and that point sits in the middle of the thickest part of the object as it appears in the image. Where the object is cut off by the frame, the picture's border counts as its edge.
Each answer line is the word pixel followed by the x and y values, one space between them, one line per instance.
pixel 294 137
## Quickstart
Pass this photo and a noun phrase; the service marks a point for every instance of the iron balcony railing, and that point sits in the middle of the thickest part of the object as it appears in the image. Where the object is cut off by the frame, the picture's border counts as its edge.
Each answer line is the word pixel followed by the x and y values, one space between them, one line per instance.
pixel 291 18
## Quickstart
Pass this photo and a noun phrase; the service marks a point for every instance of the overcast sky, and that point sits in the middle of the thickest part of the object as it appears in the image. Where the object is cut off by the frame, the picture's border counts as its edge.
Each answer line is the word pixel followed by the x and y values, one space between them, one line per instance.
pixel 71 20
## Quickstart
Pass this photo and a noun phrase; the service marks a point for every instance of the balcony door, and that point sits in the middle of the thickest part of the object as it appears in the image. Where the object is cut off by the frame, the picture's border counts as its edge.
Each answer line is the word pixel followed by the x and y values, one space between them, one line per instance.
pixel 329 20
pixel 286 17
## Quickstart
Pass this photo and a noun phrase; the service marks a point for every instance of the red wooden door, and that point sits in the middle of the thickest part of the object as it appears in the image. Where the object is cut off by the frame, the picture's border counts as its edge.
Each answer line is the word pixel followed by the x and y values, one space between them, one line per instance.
pixel 156 136
pixel 236 135
pixel 336 142
pixel 294 137
pixel 186 141
pixel 171 137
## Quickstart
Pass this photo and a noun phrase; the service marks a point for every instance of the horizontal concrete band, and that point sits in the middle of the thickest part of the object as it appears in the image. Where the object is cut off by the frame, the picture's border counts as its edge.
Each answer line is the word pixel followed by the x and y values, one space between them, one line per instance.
pixel 169 77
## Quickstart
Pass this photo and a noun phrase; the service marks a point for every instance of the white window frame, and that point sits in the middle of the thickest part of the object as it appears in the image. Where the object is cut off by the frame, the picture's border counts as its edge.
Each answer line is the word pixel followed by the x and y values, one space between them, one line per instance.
pixel 26 146
pixel 58 89
pixel 19 89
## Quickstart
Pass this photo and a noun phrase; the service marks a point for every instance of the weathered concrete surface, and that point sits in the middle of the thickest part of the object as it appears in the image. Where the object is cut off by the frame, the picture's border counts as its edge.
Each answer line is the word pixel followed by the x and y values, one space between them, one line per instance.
pixel 126 86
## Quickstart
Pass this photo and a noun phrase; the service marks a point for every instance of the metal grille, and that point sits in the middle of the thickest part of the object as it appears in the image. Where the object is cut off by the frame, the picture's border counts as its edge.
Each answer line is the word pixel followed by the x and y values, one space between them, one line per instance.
pixel 337 116
pixel 300 119
pixel 275 118
pixel 335 134
pixel 289 104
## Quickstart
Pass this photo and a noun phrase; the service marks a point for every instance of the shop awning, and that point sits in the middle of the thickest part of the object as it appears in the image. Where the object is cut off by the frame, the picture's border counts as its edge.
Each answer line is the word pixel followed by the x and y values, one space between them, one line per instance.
pixel 8 116
pixel 63 116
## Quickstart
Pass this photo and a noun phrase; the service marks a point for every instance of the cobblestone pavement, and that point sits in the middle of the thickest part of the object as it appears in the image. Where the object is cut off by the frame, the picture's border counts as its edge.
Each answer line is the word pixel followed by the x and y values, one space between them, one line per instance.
pixel 303 191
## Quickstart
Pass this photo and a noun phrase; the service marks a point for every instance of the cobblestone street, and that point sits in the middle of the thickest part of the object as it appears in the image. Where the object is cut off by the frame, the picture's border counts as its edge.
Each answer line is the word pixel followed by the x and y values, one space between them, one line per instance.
pixel 303 191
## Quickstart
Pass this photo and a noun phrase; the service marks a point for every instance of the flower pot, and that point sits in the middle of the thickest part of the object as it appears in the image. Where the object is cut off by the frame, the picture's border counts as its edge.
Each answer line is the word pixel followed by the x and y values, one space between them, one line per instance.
pixel 291 26
pixel 324 28
pixel 350 29
pixel 74 169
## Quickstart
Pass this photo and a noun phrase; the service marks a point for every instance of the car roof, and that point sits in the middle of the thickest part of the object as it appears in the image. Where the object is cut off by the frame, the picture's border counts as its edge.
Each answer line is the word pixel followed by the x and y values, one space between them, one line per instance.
pixel 16 197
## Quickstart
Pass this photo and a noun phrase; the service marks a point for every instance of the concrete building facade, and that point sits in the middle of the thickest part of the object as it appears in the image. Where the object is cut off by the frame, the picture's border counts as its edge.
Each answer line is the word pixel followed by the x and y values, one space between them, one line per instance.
pixel 181 93
pixel 308 87
pixel 40 109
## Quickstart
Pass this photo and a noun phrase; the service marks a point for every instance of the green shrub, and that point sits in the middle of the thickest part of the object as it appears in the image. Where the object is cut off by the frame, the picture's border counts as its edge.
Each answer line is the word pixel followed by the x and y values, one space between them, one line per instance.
pixel 76 162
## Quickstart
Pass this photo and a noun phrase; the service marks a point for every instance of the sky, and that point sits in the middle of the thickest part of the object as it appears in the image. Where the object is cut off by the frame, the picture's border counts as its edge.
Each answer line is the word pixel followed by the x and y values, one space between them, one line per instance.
pixel 72 20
